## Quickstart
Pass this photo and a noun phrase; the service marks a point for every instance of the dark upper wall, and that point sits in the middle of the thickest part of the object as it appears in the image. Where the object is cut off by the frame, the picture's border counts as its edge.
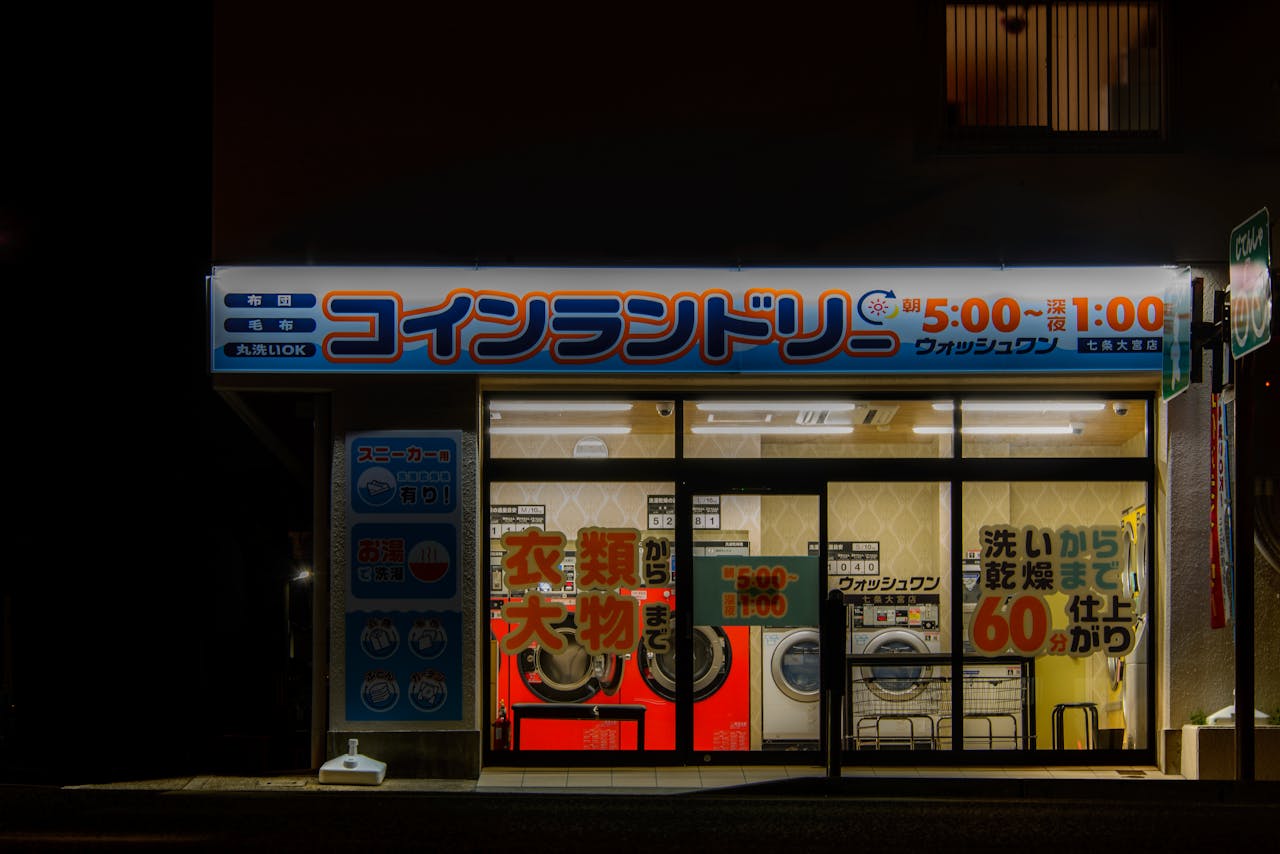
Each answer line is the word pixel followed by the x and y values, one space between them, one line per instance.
pixel 643 136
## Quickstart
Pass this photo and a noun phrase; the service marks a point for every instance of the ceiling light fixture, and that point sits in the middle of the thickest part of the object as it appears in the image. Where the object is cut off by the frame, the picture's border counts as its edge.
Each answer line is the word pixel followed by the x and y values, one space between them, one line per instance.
pixel 558 406
pixel 797 430
pixel 561 430
pixel 1024 406
pixel 1000 430
pixel 776 406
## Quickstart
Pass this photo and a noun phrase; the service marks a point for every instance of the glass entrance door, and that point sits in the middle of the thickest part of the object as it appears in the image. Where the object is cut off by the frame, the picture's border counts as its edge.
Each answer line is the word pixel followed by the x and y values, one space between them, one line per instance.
pixel 753 648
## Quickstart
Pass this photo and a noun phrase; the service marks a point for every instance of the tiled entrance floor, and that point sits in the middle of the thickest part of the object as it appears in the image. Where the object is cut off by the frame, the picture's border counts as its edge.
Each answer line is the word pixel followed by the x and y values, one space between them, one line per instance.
pixel 630 780
pixel 500 779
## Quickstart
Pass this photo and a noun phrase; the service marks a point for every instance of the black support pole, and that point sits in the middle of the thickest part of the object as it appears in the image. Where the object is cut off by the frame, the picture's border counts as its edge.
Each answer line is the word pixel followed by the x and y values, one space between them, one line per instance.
pixel 834 672
pixel 1243 525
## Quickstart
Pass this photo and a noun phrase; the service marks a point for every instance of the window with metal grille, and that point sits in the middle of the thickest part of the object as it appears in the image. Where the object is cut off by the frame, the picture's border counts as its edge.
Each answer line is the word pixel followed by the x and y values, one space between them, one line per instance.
pixel 1054 69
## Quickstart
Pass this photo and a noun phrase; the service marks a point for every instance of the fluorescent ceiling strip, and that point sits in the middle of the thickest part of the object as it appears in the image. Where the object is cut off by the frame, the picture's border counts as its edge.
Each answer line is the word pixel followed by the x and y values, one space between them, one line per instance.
pixel 776 406
pixel 1024 406
pixel 558 406
pixel 796 430
pixel 1000 430
pixel 560 430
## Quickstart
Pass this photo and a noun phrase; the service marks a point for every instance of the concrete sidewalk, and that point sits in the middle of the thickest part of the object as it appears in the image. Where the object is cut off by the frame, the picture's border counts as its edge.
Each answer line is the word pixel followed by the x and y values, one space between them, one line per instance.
pixel 642 780
pixel 808 812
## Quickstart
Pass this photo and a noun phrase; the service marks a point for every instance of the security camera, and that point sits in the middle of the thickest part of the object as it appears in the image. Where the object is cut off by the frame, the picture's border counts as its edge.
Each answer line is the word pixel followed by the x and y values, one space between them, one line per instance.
pixel 665 407
pixel 1120 408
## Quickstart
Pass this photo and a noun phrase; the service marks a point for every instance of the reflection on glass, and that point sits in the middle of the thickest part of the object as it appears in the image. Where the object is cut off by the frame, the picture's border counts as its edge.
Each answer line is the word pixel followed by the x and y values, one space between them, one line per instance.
pixel 1088 578
pixel 610 678
pixel 1050 428
pixel 579 428
pixel 889 554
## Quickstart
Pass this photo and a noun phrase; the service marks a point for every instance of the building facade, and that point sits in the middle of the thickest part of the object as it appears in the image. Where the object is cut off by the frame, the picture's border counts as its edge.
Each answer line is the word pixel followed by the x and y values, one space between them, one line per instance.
pixel 774 305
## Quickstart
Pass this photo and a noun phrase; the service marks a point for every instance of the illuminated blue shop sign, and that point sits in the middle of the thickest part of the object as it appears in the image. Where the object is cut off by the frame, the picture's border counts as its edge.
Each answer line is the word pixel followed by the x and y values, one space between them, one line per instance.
pixel 758 320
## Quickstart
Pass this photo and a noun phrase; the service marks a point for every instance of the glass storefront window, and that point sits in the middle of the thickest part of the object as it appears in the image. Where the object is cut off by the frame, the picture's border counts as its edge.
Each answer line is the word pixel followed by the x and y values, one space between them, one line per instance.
pixel 755 590
pixel 1057 572
pixel 580 428
pixel 1048 578
pixel 889 553
pixel 813 428
pixel 1098 427
pixel 579 586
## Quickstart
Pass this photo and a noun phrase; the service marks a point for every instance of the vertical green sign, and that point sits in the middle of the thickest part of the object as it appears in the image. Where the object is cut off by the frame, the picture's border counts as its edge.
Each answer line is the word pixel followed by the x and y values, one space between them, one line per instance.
pixel 1249 251
pixel 1176 375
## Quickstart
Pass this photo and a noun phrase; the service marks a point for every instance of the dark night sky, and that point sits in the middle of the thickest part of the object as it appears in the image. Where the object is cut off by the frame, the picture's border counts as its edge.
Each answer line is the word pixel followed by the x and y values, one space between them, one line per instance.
pixel 546 132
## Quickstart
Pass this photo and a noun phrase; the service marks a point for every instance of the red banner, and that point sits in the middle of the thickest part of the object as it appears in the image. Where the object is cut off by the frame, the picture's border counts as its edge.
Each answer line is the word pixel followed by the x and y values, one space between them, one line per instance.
pixel 1217 612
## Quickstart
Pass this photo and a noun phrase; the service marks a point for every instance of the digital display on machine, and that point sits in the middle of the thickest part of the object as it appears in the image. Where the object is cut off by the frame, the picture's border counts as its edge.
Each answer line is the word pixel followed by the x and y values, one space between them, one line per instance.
pixel 866 611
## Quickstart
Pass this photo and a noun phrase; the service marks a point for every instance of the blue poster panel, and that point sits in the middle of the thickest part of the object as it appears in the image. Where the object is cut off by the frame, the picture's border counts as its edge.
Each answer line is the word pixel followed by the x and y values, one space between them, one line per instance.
pixel 404 474
pixel 404 666
pixel 402 560
pixel 403 606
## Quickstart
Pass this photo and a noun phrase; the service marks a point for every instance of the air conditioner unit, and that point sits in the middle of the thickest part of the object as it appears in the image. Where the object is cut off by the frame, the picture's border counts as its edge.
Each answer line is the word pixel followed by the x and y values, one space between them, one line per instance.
pixel 876 415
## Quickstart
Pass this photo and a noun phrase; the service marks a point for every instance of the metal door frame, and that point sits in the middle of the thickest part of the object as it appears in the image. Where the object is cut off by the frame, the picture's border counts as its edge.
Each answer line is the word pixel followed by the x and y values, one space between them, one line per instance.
pixel 716 483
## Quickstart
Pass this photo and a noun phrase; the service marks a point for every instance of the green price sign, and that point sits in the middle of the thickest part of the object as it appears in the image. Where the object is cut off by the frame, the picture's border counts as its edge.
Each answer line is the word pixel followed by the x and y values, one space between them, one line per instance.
pixel 764 590
pixel 1250 254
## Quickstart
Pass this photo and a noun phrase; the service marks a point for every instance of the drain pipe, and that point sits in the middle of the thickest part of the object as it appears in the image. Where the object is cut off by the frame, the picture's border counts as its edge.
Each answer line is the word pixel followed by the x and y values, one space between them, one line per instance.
pixel 321 451
pixel 834 675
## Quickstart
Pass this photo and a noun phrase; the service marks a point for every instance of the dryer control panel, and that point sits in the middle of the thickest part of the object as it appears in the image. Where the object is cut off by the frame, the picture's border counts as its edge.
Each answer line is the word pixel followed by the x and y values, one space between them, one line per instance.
pixel 871 611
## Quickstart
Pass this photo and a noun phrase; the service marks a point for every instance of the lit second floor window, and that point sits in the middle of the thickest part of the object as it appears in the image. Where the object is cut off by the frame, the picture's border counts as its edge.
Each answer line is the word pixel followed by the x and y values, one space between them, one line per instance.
pixel 1054 69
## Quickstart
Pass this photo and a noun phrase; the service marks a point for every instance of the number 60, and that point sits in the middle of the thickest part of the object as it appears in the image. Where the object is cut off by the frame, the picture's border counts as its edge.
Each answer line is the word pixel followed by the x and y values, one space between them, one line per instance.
pixel 1026 625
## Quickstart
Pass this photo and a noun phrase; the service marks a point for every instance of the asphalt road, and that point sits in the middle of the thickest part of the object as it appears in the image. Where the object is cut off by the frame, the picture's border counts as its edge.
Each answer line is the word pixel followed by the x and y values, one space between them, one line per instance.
pixel 811 817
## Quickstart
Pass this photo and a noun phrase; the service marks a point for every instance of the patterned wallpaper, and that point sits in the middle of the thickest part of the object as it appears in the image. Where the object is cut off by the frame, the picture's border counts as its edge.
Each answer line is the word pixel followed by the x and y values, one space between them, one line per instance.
pixel 977 446
pixel 903 517
pixel 788 524
pixel 931 447
pixel 911 521
pixel 572 506
pixel 727 446
pixel 629 446
pixel 648 446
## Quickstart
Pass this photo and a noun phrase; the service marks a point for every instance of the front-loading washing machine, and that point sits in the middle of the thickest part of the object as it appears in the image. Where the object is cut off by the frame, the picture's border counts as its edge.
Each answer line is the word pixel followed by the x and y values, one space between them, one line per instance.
pixel 721 690
pixel 895 704
pixel 790 688
pixel 572 675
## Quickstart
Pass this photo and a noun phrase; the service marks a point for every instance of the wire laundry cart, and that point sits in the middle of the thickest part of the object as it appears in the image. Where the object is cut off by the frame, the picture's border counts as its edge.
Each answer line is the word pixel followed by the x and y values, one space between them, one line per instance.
pixel 997 704
pixel 906 705
pixel 894 711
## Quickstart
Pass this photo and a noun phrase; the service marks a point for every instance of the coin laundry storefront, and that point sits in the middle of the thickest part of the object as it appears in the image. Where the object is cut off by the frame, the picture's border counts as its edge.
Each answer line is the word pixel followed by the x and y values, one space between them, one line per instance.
pixel 593 515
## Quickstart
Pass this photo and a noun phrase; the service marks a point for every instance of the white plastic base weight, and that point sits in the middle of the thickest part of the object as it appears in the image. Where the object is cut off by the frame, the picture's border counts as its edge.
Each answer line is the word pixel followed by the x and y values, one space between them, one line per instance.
pixel 353 769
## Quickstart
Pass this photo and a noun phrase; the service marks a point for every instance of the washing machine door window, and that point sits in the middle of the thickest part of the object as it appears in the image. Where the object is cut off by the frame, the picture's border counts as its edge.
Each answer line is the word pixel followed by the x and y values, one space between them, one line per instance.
pixel 571 675
pixel 796 666
pixel 896 682
pixel 710 665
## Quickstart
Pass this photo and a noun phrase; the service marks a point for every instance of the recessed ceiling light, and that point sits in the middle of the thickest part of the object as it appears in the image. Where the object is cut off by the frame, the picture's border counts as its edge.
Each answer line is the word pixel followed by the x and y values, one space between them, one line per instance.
pixel 796 430
pixel 776 405
pixel 1000 430
pixel 561 430
pixel 1024 406
pixel 559 406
